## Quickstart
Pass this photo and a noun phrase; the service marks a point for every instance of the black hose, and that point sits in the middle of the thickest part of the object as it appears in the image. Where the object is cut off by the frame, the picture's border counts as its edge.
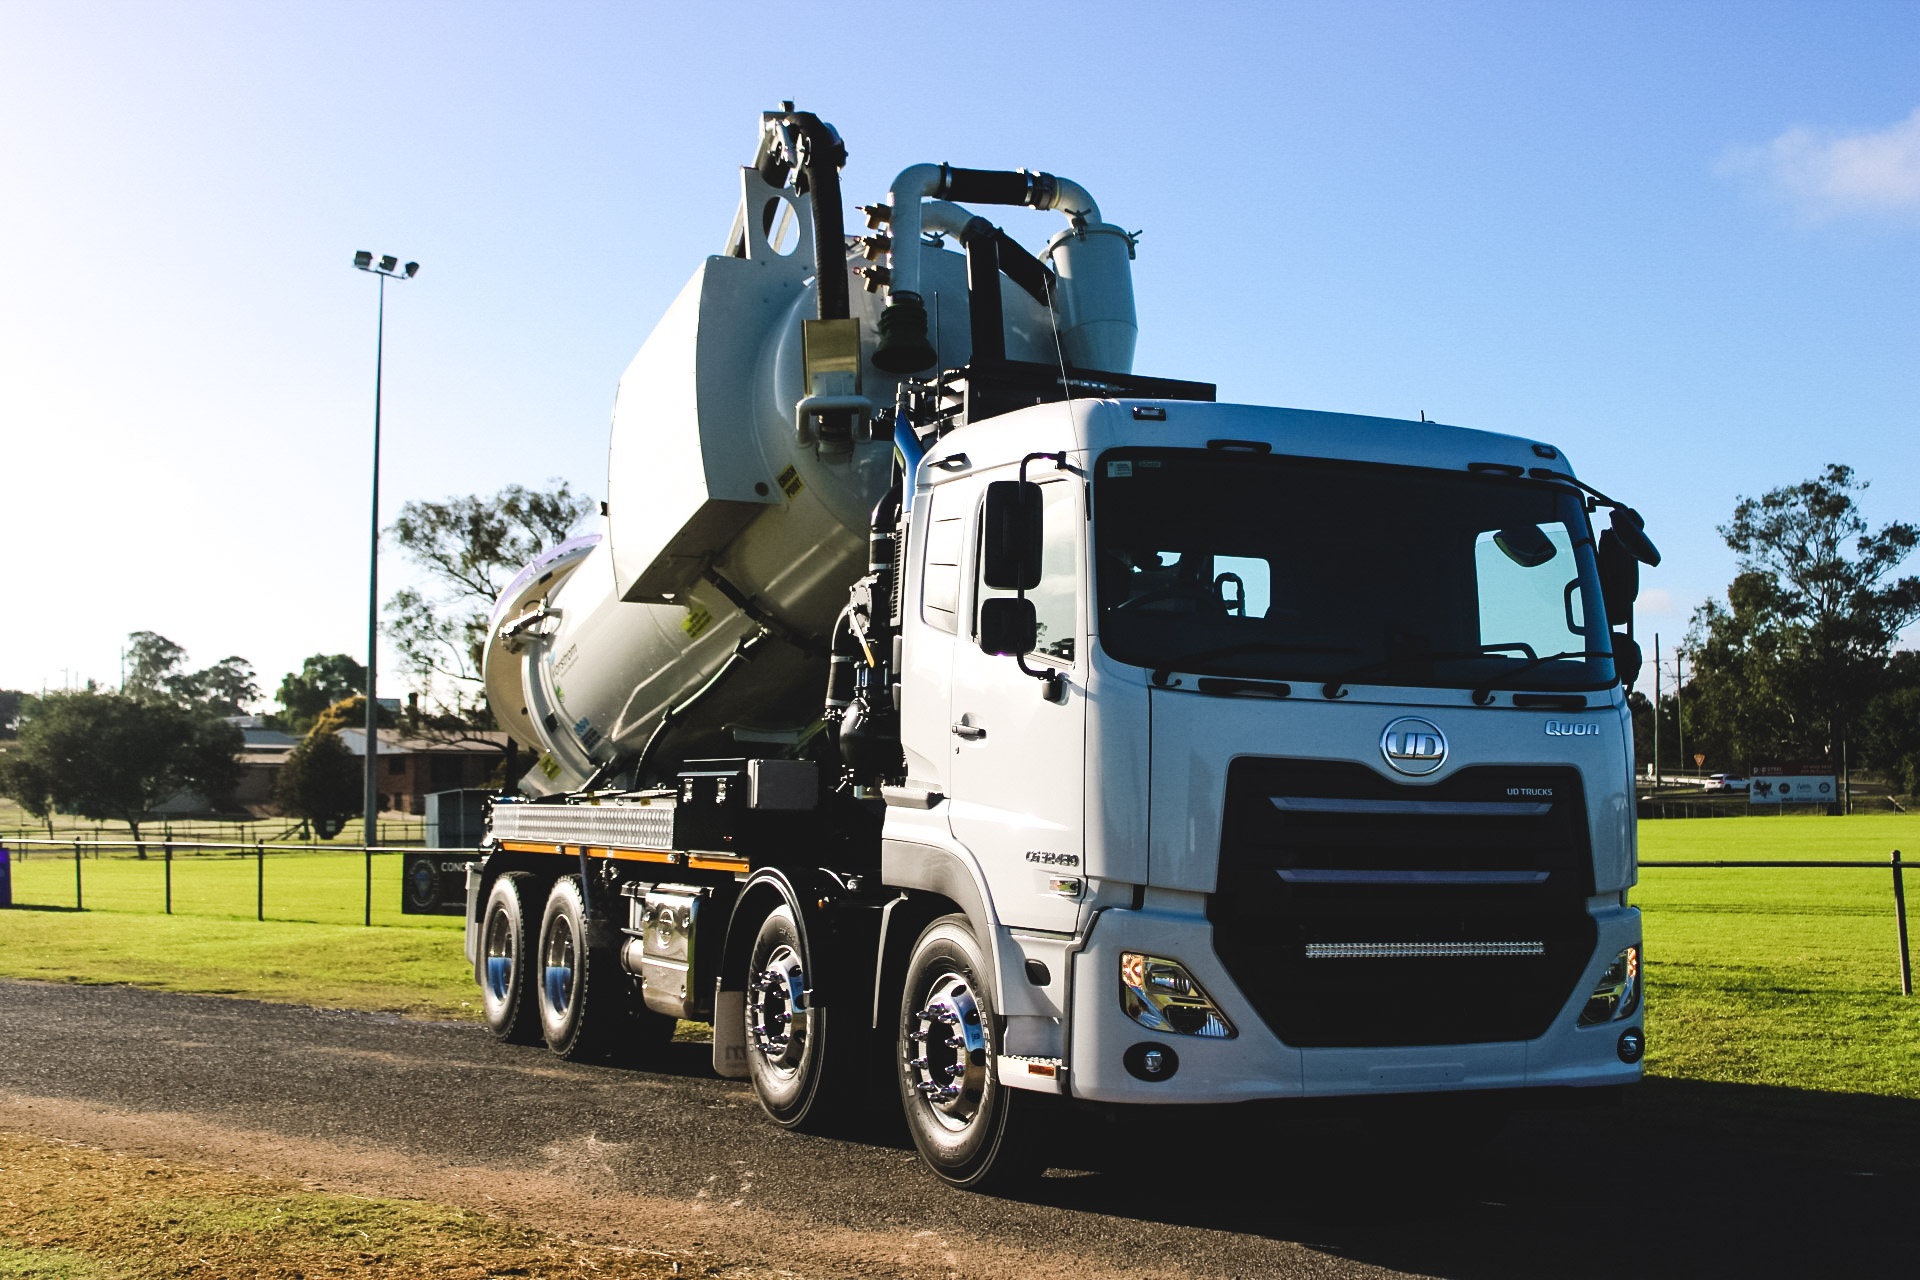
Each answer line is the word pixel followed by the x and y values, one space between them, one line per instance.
pixel 1025 270
pixel 824 154
pixel 985 322
pixel 988 186
pixel 742 654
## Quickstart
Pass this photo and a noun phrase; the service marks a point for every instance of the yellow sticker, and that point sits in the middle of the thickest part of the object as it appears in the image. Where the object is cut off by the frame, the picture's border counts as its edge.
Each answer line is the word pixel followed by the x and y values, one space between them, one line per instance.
pixel 789 482
pixel 549 766
pixel 696 620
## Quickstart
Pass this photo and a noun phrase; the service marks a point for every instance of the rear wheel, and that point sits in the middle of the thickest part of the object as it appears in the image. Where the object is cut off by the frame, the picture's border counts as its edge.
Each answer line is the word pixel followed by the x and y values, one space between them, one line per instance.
pixel 961 1117
pixel 507 939
pixel 586 999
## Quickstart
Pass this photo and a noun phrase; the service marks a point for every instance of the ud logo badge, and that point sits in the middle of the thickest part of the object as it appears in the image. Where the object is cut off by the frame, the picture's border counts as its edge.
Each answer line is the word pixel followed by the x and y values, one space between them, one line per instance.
pixel 1413 746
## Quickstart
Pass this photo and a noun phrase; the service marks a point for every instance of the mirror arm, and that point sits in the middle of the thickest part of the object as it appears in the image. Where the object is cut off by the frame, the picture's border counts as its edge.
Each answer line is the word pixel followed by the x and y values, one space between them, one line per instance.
pixel 1053 683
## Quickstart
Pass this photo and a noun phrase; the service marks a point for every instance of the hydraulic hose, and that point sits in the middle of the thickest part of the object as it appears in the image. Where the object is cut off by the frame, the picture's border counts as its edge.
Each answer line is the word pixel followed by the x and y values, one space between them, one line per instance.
pixel 742 654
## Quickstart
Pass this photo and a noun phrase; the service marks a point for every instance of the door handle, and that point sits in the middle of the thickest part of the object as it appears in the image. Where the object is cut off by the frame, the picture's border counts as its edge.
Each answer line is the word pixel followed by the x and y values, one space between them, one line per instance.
pixel 970 732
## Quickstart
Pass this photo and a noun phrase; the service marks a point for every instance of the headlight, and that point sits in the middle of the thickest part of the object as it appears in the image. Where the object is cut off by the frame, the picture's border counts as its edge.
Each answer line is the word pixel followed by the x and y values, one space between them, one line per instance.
pixel 1618 994
pixel 1160 994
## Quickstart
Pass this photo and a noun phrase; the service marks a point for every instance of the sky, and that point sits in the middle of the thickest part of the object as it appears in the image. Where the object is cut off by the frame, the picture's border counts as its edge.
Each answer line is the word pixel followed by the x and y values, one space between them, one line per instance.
pixel 1681 241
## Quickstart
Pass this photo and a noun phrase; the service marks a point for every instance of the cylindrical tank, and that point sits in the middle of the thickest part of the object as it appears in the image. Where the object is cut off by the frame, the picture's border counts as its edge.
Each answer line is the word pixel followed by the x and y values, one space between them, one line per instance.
pixel 715 502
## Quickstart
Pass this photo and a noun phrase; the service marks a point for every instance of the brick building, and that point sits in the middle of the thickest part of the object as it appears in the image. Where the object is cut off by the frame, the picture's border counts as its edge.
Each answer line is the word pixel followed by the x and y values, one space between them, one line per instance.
pixel 411 767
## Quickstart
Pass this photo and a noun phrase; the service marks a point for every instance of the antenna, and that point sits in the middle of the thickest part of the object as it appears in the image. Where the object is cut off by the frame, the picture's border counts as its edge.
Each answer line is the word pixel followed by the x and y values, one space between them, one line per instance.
pixel 1053 318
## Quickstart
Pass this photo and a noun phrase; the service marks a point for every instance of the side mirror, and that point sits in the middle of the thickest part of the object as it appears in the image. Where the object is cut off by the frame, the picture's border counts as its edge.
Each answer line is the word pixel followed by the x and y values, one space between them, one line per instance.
pixel 1619 578
pixel 1008 626
pixel 1626 658
pixel 1632 532
pixel 1526 545
pixel 1010 540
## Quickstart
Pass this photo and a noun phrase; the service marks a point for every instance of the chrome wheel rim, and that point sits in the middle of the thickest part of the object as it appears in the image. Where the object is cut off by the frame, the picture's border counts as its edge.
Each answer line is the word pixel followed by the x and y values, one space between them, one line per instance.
pixel 945 1056
pixel 777 1011
pixel 559 958
pixel 499 954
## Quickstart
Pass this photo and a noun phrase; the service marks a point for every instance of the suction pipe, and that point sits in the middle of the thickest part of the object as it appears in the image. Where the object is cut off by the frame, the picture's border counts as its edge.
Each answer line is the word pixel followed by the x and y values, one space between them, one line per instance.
pixel 904 348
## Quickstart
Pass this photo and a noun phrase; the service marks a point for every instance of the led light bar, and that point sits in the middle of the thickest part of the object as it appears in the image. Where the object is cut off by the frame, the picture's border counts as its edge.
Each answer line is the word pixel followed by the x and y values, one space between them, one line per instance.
pixel 1419 950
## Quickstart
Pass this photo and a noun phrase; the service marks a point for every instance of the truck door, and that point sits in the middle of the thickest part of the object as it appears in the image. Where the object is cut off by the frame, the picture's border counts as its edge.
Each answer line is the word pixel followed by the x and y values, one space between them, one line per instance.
pixel 1018 775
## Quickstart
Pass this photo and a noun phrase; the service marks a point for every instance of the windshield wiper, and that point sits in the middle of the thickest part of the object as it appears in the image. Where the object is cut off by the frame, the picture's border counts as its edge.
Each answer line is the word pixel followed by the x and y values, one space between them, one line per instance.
pixel 1484 694
pixel 1336 687
pixel 1187 662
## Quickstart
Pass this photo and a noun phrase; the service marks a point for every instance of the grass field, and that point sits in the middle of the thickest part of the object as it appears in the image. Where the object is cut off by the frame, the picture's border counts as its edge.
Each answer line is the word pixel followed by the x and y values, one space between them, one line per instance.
pixel 1758 976
pixel 1786 977
pixel 312 949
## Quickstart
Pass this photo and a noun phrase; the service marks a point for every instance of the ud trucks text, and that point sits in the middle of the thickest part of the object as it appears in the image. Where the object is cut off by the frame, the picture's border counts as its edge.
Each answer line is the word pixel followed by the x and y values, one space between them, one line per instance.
pixel 939 693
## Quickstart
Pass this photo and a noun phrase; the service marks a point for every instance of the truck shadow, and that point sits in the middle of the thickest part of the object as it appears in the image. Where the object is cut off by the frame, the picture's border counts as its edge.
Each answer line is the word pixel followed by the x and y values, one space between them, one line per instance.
pixel 1682 1178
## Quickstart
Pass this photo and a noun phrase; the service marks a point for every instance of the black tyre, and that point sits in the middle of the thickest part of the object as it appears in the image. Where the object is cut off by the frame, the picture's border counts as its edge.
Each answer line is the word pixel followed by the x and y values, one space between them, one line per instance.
pixel 508 933
pixel 584 996
pixel 800 1060
pixel 961 1117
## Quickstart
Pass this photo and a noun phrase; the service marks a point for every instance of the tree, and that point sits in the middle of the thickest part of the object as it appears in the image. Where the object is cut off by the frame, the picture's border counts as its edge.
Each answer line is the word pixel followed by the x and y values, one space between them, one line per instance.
pixel 1813 615
pixel 322 680
pixel 112 756
pixel 321 781
pixel 225 688
pixel 1890 726
pixel 349 713
pixel 157 672
pixel 11 703
pixel 155 667
pixel 470 548
pixel 23 781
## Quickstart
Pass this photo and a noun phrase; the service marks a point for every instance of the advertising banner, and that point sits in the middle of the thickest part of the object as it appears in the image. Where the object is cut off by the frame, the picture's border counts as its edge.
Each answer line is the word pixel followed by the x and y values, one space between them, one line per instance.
pixel 1804 788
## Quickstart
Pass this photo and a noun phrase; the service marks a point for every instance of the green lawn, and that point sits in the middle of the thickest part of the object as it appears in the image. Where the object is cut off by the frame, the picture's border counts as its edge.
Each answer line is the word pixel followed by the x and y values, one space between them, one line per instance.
pixel 1754 976
pixel 320 888
pixel 312 949
pixel 1787 977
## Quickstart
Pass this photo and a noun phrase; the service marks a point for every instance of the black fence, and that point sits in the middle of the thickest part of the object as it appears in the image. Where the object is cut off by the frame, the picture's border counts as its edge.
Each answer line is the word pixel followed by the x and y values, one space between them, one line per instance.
pixel 433 880
pixel 1899 892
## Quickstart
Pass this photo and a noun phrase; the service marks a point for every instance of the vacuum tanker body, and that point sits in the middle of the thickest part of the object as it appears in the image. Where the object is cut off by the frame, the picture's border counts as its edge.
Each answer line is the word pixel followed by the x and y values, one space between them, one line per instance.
pixel 698 621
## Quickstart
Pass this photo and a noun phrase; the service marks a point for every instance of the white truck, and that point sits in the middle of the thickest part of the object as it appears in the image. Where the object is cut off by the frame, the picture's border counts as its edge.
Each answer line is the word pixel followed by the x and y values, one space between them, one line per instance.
pixel 943 699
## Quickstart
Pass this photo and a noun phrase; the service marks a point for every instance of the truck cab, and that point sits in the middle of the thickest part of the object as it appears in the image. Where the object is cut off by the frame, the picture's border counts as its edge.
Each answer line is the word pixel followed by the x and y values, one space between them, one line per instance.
pixel 1313 775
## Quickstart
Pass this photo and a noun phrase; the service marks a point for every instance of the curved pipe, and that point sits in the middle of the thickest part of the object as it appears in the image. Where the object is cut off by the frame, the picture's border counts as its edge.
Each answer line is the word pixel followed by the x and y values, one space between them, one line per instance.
pixel 932 182
pixel 907 445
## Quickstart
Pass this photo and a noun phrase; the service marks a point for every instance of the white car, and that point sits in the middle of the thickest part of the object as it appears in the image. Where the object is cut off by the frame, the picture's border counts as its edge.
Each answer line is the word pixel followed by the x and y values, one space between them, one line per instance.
pixel 1725 782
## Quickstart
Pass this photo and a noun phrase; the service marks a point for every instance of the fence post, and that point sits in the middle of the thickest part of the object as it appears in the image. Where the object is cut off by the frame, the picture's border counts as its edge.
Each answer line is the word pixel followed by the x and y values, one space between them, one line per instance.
pixel 260 881
pixel 369 852
pixel 79 904
pixel 1900 914
pixel 166 853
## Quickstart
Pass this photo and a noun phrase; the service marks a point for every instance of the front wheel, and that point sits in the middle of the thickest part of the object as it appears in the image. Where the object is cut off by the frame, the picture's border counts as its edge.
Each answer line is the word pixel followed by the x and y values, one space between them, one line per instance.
pixel 960 1115
pixel 797 1057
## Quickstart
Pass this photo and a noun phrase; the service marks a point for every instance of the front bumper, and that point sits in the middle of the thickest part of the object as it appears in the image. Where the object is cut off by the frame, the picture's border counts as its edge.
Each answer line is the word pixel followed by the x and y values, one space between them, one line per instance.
pixel 1256 1064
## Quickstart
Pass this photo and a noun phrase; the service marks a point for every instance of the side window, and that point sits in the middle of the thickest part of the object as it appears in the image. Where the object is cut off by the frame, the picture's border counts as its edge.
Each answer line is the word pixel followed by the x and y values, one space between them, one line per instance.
pixel 1244 585
pixel 1528 601
pixel 940 573
pixel 1056 601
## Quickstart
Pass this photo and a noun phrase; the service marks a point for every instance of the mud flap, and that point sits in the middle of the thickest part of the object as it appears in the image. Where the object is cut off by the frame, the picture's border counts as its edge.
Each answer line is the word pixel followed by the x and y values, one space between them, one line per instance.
pixel 730 1034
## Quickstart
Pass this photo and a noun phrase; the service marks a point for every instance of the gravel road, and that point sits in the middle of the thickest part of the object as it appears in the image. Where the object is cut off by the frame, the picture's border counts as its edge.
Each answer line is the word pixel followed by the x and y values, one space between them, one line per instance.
pixel 1684 1179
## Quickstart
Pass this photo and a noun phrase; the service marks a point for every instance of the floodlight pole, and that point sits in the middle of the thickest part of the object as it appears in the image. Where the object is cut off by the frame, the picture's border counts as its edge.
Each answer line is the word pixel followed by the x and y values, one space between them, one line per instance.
pixel 370 824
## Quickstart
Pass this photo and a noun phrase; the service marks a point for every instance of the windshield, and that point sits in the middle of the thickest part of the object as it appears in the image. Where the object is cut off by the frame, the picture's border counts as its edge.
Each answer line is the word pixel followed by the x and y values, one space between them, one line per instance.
pixel 1256 565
